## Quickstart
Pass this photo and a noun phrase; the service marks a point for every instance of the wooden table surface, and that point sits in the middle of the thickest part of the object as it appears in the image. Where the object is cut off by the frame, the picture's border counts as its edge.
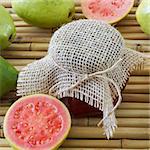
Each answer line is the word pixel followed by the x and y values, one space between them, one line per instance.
pixel 133 114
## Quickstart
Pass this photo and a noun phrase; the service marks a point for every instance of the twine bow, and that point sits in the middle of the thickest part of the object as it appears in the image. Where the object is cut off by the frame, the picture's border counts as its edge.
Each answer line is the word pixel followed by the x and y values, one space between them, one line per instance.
pixel 99 74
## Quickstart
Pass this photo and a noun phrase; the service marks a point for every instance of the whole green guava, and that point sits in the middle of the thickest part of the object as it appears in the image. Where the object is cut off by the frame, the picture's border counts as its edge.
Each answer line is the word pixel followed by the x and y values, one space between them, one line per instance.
pixel 7 28
pixel 45 13
pixel 143 15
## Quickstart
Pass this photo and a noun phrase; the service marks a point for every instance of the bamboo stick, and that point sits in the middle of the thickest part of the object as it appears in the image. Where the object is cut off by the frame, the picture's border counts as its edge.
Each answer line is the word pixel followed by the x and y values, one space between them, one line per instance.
pixel 80 121
pixel 136 105
pixel 138 42
pixel 26 39
pixel 42 35
pixel 21 24
pixel 130 17
pixel 144 72
pixel 129 29
pixel 142 88
pixel 139 80
pixel 128 113
pixel 32 30
pixel 28 47
pixel 135 36
pixel 41 46
pixel 122 122
pixel 125 22
pixel 92 143
pixel 133 122
pixel 135 97
pixel 135 143
pixel 23 54
pixel 133 10
pixel 95 132
pixel 22 62
pixel 21 47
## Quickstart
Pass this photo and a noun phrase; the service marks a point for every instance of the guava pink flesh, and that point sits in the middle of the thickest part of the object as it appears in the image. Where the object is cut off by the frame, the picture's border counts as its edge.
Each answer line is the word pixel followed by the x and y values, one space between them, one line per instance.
pixel 36 122
pixel 107 10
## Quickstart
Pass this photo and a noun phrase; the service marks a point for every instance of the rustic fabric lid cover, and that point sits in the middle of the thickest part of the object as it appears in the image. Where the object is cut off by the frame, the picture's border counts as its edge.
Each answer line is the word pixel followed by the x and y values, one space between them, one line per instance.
pixel 88 60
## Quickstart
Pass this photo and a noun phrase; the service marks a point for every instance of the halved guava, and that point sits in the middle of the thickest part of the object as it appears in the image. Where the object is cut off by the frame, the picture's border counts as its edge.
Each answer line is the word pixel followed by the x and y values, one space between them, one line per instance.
pixel 110 11
pixel 37 122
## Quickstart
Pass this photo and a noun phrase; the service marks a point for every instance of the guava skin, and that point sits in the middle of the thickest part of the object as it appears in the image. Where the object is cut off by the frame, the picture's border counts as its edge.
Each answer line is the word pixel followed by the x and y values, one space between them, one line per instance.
pixel 45 13
pixel 143 16
pixel 8 77
pixel 7 29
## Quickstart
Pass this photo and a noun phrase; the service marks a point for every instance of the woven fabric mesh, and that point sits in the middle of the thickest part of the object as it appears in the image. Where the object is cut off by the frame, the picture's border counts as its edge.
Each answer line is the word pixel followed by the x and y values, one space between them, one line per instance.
pixel 79 48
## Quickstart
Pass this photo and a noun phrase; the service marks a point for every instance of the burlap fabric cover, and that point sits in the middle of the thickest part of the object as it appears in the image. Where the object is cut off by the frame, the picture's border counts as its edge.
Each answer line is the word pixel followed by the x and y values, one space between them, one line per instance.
pixel 88 60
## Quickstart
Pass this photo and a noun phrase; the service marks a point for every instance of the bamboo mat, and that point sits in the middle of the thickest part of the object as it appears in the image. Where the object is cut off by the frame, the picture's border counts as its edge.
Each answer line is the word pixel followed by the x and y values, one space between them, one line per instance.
pixel 133 114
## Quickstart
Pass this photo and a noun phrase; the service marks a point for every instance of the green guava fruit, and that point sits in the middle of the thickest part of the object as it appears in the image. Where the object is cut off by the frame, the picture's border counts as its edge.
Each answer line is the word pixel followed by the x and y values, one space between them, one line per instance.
pixel 45 13
pixel 143 15
pixel 110 11
pixel 7 29
pixel 8 77
pixel 37 122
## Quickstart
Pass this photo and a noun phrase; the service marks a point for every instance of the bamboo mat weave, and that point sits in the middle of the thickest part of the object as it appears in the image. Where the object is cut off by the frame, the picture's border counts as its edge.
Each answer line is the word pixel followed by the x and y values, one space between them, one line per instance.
pixel 133 114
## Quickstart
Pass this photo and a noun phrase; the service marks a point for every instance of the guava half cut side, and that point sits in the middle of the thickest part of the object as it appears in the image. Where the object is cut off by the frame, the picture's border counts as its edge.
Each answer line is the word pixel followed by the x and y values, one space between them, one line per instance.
pixel 110 11
pixel 37 122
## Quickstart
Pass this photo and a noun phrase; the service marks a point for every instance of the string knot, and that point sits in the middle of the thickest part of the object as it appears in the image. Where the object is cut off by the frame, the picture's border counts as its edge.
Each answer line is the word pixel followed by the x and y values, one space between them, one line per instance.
pixel 99 74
